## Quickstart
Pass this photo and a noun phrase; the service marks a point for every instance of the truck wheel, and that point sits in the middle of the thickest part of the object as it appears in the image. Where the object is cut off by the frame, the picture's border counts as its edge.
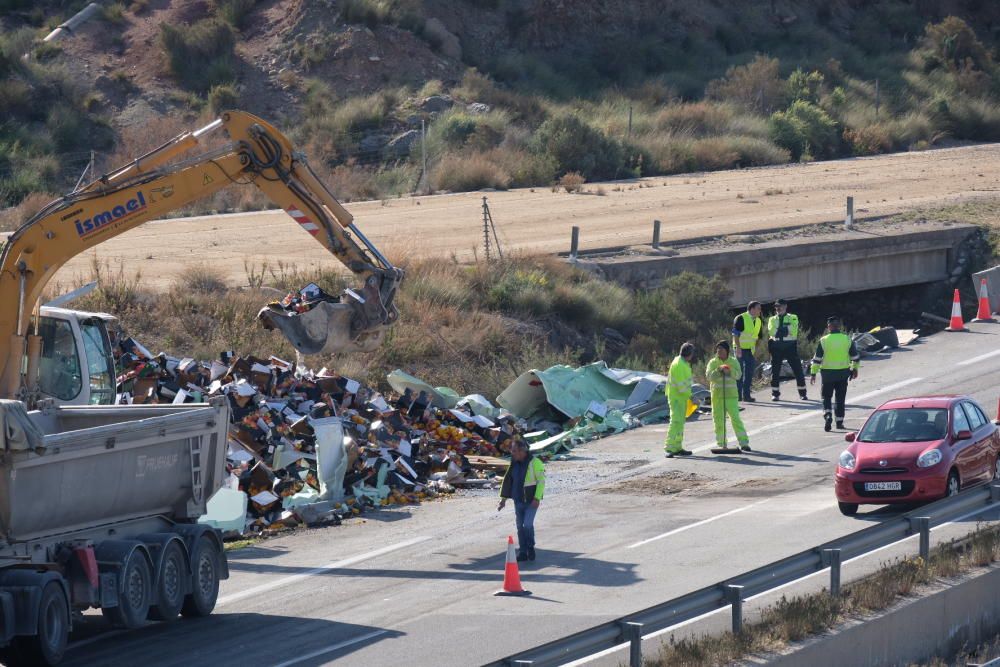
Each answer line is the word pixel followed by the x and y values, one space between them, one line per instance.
pixel 49 645
pixel 204 579
pixel 170 585
pixel 133 599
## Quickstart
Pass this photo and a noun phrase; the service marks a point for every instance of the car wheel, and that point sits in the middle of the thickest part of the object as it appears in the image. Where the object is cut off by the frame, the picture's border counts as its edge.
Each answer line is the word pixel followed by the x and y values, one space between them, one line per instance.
pixel 954 484
pixel 848 509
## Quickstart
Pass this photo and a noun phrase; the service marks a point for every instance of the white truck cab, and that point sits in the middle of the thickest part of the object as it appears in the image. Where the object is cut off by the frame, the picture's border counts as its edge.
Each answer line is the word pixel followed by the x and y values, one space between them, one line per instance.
pixel 77 366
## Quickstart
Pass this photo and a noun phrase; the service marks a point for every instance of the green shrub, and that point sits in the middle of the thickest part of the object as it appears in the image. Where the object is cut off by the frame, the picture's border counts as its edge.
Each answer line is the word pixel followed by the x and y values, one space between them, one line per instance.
pixel 406 14
pixel 222 97
pixel 575 146
pixel 804 86
pixel 200 55
pixel 235 12
pixel 756 86
pixel 114 13
pixel 805 128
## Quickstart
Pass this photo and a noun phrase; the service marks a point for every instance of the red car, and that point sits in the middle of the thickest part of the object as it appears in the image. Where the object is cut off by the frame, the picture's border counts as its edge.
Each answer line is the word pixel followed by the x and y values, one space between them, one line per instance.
pixel 916 450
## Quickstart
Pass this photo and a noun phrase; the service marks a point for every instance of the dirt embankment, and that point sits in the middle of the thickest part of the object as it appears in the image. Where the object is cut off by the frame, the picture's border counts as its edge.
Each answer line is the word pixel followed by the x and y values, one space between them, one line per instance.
pixel 539 220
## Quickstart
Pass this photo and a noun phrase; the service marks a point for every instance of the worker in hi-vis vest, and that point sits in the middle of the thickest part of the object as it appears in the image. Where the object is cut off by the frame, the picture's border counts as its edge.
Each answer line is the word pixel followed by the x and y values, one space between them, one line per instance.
pixel 678 394
pixel 747 330
pixel 723 372
pixel 837 361
pixel 783 344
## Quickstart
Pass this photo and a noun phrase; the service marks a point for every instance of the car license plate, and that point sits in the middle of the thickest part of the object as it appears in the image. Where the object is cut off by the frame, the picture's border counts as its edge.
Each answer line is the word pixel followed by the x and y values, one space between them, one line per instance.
pixel 883 486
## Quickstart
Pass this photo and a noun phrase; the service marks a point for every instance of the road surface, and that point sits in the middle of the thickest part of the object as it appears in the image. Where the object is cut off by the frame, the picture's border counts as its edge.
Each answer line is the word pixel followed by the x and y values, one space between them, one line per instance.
pixel 621 528
pixel 539 220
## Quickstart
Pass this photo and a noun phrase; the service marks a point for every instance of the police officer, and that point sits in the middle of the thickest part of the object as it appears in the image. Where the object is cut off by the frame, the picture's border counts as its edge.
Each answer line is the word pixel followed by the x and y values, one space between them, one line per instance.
pixel 746 331
pixel 838 361
pixel 783 344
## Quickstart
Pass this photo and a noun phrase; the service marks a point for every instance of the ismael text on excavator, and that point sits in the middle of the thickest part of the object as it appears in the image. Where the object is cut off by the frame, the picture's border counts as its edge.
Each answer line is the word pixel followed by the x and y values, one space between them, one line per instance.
pixel 163 180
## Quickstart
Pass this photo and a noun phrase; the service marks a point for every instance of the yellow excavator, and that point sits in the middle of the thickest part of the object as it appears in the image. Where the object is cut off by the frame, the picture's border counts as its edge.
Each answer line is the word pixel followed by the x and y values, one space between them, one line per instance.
pixel 49 352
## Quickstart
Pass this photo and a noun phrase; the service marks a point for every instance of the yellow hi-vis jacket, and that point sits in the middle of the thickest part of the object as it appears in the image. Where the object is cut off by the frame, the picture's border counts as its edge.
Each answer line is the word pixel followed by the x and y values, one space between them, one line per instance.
pixel 679 379
pixel 534 480
pixel 751 331
pixel 835 352
pixel 788 321
pixel 716 380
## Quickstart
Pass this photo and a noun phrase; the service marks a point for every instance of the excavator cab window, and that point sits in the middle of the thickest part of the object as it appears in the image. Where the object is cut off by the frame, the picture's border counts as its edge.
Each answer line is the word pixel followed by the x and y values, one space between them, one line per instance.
pixel 59 366
pixel 100 361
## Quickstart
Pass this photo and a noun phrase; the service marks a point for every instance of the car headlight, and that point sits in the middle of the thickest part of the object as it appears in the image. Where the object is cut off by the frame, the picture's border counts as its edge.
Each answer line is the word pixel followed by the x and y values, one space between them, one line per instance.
pixel 847 460
pixel 931 457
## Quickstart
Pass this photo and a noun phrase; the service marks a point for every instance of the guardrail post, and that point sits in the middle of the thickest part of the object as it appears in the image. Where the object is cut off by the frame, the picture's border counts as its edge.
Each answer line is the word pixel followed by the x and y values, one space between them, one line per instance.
pixel 832 556
pixel 849 220
pixel 922 524
pixel 734 594
pixel 656 234
pixel 574 243
pixel 994 492
pixel 632 632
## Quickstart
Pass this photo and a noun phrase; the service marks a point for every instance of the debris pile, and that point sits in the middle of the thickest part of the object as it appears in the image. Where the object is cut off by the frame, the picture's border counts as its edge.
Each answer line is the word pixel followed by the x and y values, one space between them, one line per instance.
pixel 314 447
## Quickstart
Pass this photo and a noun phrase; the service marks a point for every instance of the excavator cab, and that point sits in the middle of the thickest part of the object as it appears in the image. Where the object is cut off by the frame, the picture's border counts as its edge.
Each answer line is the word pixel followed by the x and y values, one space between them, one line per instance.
pixel 76 365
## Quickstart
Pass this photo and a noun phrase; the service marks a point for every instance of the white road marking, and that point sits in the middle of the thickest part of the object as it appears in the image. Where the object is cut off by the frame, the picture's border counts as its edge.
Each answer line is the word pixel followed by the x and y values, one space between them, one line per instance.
pixel 284 581
pixel 698 523
pixel 981 357
pixel 330 649
pixel 812 413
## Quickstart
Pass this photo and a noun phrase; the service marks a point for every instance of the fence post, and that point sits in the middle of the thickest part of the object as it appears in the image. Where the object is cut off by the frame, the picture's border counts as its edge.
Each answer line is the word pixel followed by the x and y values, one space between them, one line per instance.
pixel 632 632
pixel 849 220
pixel 734 594
pixel 922 524
pixel 832 557
pixel 656 234
pixel 574 243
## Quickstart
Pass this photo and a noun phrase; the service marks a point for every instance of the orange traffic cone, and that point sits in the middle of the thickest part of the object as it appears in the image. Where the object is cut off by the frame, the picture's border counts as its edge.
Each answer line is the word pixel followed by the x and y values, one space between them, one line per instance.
pixel 956 315
pixel 511 575
pixel 984 304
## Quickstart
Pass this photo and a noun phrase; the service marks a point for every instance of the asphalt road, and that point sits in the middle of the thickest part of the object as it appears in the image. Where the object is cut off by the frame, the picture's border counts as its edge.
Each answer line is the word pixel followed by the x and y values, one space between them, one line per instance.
pixel 621 528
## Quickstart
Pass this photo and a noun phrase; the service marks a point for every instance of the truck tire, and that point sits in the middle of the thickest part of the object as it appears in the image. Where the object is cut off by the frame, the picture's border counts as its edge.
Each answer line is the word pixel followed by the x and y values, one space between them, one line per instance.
pixel 49 645
pixel 204 579
pixel 170 585
pixel 133 602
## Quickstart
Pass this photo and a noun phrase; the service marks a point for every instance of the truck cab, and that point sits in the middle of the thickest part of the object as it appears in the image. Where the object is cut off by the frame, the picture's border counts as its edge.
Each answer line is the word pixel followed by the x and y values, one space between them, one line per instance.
pixel 76 366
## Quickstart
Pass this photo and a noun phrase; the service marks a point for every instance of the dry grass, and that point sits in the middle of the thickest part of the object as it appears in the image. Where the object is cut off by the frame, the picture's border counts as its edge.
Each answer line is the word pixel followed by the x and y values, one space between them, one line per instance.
pixel 572 182
pixel 791 620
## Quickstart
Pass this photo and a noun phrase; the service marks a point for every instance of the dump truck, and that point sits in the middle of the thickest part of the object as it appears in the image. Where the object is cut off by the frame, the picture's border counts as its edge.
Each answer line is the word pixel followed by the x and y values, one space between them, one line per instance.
pixel 99 502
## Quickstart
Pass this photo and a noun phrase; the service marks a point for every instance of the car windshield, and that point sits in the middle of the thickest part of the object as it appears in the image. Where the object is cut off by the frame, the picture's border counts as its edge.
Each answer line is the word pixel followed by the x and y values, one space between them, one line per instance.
pixel 906 425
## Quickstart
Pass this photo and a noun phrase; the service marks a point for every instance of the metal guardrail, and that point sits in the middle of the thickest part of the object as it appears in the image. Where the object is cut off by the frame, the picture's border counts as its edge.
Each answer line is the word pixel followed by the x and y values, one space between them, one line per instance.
pixel 732 592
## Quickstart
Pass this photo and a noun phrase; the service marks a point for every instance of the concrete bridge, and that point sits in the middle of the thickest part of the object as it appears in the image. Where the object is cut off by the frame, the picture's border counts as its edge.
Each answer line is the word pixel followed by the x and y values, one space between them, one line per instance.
pixel 809 262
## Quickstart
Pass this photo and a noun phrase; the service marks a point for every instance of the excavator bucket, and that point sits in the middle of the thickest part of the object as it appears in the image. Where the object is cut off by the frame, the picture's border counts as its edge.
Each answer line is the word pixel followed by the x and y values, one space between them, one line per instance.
pixel 324 329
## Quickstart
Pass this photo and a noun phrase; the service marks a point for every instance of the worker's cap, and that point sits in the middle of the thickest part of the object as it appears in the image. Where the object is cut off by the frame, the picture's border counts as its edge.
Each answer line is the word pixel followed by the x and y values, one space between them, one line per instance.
pixel 780 302
pixel 833 319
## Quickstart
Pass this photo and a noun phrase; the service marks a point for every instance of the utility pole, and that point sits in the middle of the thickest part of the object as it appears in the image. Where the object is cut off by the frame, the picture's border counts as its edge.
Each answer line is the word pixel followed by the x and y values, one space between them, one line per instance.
pixel 423 156
pixel 877 100
pixel 489 230
pixel 630 121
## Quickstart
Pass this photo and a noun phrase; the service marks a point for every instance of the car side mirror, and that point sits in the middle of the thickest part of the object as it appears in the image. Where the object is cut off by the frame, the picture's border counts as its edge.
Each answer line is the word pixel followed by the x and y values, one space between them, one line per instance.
pixel 963 435
pixel 850 437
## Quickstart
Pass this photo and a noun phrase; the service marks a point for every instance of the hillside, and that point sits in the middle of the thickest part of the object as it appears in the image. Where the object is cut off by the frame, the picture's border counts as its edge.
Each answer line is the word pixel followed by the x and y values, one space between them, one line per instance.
pixel 514 92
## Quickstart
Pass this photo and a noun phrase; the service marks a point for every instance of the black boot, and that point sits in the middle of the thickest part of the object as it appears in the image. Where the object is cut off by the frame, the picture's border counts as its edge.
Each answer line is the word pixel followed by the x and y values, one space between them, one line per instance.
pixel 840 425
pixel 775 396
pixel 828 422
pixel 802 395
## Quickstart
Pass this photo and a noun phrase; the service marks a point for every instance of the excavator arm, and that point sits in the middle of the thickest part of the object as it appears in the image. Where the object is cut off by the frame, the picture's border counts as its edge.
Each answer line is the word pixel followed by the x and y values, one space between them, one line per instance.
pixel 166 179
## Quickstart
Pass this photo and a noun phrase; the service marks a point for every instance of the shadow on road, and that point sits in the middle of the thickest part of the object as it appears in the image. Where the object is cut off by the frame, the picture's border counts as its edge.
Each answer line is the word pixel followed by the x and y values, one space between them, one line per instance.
pixel 582 570
pixel 221 640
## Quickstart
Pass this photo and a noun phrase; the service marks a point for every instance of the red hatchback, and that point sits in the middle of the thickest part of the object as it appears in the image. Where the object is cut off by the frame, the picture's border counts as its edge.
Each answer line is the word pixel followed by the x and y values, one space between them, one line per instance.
pixel 915 450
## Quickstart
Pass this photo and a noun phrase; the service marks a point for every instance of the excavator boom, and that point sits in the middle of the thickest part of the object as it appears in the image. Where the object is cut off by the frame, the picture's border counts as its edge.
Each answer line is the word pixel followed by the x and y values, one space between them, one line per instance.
pixel 166 179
